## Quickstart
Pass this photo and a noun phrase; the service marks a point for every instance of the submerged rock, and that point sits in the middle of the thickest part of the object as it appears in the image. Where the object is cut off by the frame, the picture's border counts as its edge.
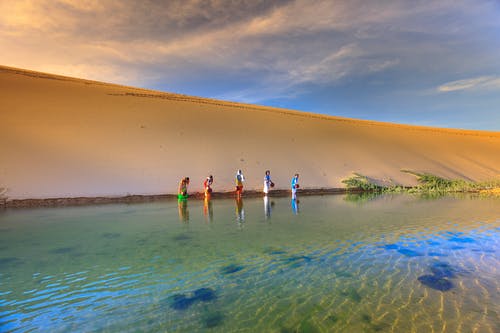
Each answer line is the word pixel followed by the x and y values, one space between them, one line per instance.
pixel 205 295
pixel 436 282
pixel 230 269
pixel 181 302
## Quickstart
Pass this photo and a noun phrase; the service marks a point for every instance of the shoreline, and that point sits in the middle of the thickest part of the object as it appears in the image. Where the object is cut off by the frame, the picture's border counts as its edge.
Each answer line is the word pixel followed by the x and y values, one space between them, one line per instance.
pixel 129 199
pixel 139 198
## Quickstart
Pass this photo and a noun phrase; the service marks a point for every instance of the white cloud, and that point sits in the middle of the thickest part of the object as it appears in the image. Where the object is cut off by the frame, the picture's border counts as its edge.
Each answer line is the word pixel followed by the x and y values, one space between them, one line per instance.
pixel 383 65
pixel 331 68
pixel 475 84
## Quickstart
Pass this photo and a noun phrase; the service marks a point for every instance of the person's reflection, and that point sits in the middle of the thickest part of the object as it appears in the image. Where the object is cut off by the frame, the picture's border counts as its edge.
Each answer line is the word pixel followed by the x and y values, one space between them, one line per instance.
pixel 208 210
pixel 267 207
pixel 240 212
pixel 183 210
pixel 295 206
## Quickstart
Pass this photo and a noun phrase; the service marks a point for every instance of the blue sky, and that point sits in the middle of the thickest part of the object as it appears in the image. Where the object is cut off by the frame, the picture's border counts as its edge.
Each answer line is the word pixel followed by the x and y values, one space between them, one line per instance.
pixel 434 63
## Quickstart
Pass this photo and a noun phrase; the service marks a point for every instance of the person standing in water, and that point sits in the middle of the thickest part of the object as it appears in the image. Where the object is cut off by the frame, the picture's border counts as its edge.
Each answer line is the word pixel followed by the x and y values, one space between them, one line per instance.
pixel 295 185
pixel 239 183
pixel 183 186
pixel 268 184
pixel 206 185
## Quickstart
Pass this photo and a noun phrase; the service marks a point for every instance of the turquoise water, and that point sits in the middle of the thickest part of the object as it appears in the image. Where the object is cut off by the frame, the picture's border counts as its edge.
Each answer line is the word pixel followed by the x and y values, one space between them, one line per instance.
pixel 323 264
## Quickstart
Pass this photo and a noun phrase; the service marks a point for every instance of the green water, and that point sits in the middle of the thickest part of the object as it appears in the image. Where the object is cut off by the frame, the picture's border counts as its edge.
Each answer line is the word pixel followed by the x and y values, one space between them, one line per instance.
pixel 324 264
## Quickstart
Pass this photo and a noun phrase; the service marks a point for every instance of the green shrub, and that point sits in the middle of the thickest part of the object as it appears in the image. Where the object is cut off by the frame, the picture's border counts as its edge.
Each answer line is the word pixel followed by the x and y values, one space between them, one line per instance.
pixel 428 184
pixel 360 182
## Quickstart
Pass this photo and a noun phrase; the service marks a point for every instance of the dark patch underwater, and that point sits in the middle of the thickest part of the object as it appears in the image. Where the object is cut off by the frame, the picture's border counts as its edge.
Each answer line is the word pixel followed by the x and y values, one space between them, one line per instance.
pixel 205 294
pixel 436 282
pixel 230 269
pixel 183 302
pixel 10 261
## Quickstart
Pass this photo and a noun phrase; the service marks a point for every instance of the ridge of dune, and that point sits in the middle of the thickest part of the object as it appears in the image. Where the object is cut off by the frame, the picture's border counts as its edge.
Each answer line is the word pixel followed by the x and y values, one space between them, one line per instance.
pixel 69 137
pixel 150 93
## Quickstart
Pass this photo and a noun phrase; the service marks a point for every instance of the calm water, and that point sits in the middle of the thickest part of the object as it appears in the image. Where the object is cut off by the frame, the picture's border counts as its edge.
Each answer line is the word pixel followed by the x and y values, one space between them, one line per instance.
pixel 325 264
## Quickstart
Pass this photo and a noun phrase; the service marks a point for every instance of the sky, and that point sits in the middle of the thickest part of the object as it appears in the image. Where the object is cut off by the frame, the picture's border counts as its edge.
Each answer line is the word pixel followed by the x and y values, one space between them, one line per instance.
pixel 432 63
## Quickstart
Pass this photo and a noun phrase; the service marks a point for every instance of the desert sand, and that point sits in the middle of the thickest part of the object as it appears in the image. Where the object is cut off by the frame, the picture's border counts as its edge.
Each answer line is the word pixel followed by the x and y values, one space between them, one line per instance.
pixel 67 137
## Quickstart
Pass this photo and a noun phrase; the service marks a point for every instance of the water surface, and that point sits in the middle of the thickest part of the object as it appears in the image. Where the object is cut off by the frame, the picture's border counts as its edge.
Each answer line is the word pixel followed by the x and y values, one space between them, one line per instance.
pixel 322 264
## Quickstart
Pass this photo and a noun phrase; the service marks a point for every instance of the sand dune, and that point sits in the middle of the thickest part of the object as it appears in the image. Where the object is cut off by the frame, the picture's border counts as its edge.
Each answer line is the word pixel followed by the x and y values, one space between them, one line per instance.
pixel 65 137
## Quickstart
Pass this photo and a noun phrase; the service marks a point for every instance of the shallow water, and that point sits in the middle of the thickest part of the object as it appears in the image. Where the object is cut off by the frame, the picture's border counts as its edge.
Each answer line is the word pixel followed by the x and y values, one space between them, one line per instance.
pixel 323 264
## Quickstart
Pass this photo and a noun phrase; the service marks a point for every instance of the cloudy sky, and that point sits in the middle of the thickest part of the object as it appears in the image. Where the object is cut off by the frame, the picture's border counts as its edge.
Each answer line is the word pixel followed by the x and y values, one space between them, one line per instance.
pixel 433 63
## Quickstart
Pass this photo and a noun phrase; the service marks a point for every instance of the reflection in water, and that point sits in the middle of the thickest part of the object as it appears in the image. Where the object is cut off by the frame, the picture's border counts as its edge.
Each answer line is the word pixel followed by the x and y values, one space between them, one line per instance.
pixel 366 197
pixel 183 210
pixel 208 211
pixel 267 207
pixel 361 198
pixel 240 212
pixel 295 205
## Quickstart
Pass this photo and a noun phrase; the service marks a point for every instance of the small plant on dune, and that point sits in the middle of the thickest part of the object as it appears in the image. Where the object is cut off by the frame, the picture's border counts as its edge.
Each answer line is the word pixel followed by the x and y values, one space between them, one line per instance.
pixel 428 184
pixel 360 182
pixel 432 183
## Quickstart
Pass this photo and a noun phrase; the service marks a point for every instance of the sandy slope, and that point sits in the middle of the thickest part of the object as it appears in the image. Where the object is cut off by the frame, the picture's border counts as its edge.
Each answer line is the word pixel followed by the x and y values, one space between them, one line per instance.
pixel 64 137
